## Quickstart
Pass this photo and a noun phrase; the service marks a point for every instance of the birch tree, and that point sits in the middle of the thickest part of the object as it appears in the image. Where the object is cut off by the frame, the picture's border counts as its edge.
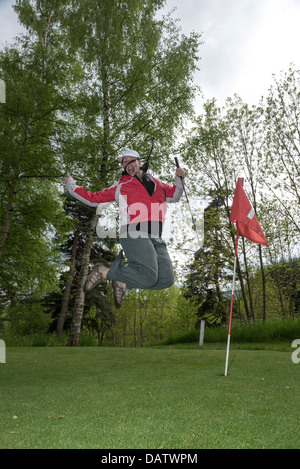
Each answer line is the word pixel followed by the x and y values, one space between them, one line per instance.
pixel 139 83
pixel 282 145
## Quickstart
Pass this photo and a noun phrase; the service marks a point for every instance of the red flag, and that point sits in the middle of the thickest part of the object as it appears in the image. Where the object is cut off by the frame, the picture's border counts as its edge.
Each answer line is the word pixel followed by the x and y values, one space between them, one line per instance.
pixel 244 216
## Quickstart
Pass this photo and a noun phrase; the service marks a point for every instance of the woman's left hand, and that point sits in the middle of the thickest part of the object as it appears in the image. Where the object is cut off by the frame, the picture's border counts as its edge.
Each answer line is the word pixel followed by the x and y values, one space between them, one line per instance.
pixel 180 172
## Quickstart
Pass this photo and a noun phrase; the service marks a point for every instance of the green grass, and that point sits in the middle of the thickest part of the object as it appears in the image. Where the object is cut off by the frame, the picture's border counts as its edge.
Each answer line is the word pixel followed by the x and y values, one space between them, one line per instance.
pixel 150 398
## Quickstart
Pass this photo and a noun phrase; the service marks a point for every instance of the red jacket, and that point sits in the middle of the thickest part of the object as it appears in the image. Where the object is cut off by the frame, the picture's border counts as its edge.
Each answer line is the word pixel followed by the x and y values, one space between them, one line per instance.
pixel 136 205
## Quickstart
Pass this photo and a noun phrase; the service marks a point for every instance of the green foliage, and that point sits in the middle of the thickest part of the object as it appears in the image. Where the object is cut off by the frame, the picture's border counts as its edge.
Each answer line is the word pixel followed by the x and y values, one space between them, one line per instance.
pixel 26 319
pixel 31 207
pixel 207 280
pixel 146 316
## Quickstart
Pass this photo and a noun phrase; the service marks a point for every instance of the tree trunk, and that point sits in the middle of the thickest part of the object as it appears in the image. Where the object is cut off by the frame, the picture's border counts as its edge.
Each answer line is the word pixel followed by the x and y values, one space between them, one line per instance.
pixel 74 336
pixel 248 281
pixel 134 330
pixel 263 279
pixel 67 291
pixel 240 274
pixel 100 333
pixel 8 217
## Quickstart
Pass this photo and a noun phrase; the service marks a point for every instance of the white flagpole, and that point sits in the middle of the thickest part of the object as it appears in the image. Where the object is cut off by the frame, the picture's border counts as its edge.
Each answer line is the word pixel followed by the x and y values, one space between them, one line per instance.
pixel 231 304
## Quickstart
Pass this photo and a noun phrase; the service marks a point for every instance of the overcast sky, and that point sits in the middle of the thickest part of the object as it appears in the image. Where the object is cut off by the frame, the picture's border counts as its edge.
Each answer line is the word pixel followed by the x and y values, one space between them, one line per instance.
pixel 245 42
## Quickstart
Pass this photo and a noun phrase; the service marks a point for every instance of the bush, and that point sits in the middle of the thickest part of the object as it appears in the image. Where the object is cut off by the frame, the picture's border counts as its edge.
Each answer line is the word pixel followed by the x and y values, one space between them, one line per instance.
pixel 34 340
pixel 281 330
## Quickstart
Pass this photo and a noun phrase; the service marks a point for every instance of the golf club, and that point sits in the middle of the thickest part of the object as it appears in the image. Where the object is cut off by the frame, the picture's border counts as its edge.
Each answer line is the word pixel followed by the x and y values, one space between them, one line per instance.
pixel 199 251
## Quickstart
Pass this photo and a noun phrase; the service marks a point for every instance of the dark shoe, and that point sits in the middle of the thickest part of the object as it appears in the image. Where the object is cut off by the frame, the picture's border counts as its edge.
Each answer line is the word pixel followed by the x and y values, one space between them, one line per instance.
pixel 94 278
pixel 119 293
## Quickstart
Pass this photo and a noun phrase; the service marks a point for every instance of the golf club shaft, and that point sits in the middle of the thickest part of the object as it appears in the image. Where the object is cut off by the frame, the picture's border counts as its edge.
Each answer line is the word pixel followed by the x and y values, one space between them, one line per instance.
pixel 187 199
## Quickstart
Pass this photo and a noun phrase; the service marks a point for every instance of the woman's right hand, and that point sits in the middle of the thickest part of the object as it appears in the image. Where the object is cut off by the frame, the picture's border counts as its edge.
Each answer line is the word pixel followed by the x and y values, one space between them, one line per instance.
pixel 67 177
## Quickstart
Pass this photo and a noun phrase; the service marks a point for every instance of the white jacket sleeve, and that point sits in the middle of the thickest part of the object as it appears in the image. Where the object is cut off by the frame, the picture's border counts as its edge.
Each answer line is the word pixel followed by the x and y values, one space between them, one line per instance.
pixel 178 191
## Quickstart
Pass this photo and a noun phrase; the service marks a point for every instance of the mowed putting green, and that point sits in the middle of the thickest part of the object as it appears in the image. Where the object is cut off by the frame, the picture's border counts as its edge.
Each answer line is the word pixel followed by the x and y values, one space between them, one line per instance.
pixel 115 398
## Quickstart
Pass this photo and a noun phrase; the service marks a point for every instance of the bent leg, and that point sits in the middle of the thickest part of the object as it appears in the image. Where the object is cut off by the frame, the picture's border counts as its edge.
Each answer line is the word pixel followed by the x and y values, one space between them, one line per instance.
pixel 165 267
pixel 142 269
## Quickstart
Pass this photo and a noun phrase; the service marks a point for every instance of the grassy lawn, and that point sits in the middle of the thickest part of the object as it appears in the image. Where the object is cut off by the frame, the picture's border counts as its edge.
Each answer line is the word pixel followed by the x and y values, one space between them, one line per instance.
pixel 113 398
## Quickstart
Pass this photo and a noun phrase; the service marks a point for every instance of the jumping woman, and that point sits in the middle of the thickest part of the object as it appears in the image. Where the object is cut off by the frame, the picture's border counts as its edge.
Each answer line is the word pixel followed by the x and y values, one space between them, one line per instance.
pixel 142 201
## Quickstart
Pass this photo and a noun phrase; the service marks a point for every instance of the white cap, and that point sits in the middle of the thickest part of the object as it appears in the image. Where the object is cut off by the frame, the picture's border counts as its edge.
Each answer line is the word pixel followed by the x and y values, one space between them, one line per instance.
pixel 132 153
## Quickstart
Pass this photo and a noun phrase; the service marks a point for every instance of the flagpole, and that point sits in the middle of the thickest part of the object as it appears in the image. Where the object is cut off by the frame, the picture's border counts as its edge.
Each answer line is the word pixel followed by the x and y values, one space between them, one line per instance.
pixel 231 304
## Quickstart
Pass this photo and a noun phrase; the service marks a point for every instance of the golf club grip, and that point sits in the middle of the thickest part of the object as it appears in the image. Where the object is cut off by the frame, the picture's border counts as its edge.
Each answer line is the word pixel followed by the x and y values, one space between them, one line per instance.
pixel 177 165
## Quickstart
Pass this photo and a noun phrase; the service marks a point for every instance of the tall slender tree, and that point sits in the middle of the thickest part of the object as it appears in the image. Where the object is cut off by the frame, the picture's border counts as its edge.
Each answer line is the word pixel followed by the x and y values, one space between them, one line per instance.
pixel 282 145
pixel 209 147
pixel 139 85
